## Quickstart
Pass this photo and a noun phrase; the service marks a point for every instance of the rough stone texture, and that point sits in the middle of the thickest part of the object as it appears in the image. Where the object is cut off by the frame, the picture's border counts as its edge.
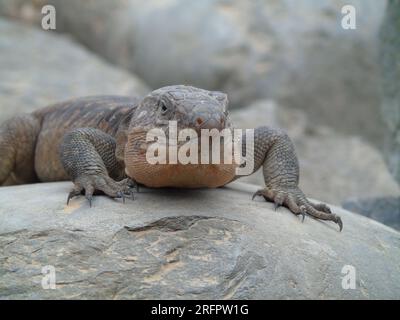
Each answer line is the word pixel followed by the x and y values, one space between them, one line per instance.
pixel 180 244
pixel 390 57
pixel 385 210
pixel 38 68
pixel 292 51
pixel 333 167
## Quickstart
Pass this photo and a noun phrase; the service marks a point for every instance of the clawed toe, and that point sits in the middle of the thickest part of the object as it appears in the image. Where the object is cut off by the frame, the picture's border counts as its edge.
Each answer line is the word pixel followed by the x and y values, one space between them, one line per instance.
pixel 279 198
pixel 303 213
pixel 121 195
pixel 130 185
pixel 104 184
pixel 266 193
pixel 72 194
pixel 89 199
pixel 339 222
pixel 257 194
pixel 129 193
pixel 297 203
pixel 322 207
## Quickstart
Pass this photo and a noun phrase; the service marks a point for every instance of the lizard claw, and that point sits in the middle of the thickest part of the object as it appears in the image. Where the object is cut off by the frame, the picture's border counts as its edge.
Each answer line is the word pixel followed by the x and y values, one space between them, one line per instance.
pixel 121 195
pixel 256 194
pixel 303 213
pixel 132 184
pixel 264 193
pixel 294 199
pixel 129 185
pixel 340 223
pixel 279 198
pixel 89 198
pixel 76 191
pixel 130 193
pixel 92 183
pixel 70 196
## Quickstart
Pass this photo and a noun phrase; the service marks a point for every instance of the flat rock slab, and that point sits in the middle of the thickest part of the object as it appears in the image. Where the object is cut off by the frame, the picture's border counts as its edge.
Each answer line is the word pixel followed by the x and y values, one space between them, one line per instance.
pixel 186 244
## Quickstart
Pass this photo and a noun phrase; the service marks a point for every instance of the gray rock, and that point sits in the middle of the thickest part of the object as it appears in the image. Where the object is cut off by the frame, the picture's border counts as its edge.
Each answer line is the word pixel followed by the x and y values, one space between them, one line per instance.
pixel 333 166
pixel 390 57
pixel 186 244
pixel 294 52
pixel 39 68
pixel 385 210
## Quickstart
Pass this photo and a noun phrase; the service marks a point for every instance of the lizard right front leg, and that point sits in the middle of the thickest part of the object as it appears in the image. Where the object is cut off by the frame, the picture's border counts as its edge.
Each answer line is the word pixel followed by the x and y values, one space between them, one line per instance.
pixel 88 157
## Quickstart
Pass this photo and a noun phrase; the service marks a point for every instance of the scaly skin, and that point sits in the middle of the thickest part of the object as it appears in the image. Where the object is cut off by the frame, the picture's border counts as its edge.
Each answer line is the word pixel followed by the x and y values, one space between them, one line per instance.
pixel 100 144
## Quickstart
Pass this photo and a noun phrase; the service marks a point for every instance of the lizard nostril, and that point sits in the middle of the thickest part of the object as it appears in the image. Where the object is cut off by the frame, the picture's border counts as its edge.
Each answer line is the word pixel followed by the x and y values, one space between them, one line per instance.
pixel 199 121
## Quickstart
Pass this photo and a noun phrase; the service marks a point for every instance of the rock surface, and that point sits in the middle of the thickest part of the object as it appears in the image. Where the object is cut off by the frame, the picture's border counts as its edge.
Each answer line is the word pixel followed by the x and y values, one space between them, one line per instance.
pixel 186 244
pixel 39 68
pixel 333 167
pixel 390 57
pixel 294 52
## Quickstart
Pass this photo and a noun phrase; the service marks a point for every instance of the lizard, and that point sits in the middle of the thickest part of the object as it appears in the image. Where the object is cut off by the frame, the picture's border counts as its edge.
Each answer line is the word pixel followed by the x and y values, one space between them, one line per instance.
pixel 99 143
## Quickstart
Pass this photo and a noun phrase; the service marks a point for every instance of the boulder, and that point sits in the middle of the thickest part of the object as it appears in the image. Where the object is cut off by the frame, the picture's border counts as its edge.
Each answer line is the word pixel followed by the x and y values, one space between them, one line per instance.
pixel 187 244
pixel 333 166
pixel 390 59
pixel 297 53
pixel 39 68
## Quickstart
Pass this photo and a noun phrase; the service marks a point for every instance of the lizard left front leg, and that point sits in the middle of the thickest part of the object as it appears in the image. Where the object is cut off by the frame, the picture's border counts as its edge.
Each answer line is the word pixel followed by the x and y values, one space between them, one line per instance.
pixel 274 151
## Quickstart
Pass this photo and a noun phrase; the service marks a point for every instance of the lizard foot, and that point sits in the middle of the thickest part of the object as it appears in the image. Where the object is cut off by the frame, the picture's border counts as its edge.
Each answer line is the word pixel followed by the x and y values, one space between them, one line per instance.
pixel 297 203
pixel 89 184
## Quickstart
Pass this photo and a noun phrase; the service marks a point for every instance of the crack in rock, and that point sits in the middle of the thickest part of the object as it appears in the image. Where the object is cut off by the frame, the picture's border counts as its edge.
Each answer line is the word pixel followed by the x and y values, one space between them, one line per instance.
pixel 170 224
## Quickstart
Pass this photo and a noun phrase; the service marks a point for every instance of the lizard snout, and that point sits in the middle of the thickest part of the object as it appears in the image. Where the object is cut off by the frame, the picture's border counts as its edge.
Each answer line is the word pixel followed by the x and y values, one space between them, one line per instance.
pixel 209 122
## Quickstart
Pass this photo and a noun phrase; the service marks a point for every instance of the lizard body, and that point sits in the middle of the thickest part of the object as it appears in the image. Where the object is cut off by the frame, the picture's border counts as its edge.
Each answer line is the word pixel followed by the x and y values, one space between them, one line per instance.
pixel 100 144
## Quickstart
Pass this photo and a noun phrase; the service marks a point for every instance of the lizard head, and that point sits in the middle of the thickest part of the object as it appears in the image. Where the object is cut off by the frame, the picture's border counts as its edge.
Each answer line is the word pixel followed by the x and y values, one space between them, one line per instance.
pixel 190 107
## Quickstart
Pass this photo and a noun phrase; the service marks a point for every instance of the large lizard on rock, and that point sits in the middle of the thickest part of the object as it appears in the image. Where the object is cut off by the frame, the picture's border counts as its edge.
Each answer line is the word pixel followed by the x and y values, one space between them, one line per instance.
pixel 100 144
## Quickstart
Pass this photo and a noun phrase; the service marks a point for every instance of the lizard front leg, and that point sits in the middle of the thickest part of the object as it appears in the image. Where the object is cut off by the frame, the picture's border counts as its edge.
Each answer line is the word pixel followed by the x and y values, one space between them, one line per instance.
pixel 274 151
pixel 88 157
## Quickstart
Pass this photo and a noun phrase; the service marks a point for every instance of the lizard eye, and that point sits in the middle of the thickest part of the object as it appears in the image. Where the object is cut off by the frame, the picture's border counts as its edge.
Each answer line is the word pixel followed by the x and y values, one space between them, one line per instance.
pixel 163 107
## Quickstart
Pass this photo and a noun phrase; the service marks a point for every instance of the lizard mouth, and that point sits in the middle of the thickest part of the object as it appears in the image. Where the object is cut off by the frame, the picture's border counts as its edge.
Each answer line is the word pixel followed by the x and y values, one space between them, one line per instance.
pixel 209 123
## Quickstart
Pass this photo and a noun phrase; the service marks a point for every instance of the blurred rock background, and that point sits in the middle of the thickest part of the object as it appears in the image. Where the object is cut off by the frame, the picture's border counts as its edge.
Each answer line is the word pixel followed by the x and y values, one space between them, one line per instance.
pixel 284 63
pixel 38 68
pixel 390 61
